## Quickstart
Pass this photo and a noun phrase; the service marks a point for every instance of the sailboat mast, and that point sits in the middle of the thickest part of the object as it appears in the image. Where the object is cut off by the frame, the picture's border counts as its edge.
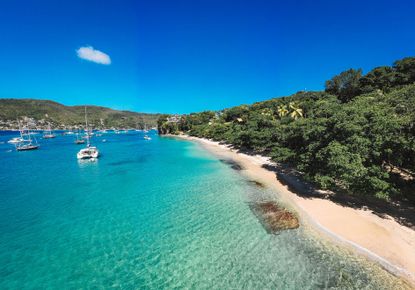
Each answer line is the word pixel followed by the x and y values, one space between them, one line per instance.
pixel 29 135
pixel 86 128
pixel 86 119
pixel 20 129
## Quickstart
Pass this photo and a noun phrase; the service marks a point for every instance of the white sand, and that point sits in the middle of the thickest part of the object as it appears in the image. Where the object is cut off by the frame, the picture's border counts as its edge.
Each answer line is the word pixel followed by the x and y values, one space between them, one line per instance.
pixel 381 239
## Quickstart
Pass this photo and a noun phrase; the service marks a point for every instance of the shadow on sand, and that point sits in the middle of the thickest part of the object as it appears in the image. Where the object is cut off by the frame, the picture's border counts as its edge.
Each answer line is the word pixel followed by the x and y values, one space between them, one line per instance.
pixel 401 212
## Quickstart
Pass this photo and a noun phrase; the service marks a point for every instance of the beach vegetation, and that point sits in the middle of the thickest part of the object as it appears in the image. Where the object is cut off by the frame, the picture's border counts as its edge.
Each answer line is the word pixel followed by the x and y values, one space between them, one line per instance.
pixel 358 135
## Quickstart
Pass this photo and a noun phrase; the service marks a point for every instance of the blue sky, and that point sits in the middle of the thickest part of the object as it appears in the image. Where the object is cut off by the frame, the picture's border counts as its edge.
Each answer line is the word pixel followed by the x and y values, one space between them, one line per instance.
pixel 185 56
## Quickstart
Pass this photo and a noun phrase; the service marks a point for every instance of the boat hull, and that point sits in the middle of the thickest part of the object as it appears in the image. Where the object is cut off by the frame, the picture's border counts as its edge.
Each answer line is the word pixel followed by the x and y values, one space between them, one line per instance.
pixel 88 153
pixel 14 141
pixel 27 148
pixel 87 156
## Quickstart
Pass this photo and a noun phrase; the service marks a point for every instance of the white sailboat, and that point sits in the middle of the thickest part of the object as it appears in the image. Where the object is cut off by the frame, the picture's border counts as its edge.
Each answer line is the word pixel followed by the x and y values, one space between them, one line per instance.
pixel 26 141
pixel 90 152
pixel 79 140
pixel 49 134
pixel 146 137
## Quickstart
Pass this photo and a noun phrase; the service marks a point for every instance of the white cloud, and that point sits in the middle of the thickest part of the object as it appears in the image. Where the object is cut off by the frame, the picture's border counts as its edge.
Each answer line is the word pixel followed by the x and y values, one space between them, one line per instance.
pixel 94 55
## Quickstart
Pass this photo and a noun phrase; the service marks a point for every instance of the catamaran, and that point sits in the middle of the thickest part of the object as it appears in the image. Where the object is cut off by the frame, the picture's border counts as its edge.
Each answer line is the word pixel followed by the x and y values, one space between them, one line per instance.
pixel 90 152
pixel 26 142
pixel 49 133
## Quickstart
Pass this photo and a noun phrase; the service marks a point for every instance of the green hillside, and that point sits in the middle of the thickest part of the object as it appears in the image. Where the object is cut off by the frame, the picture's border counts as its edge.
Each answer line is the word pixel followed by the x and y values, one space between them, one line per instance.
pixel 356 136
pixel 60 115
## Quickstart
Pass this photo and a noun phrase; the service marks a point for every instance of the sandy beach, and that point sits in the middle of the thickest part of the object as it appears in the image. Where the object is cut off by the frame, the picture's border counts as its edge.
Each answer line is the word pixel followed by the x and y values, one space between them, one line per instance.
pixel 381 239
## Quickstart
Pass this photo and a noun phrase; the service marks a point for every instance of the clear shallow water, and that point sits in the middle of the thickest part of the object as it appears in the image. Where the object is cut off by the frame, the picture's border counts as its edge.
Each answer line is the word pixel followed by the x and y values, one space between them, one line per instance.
pixel 157 214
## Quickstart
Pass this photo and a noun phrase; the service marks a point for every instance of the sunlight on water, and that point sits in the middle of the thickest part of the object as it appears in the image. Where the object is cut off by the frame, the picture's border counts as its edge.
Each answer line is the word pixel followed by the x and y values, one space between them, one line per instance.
pixel 158 215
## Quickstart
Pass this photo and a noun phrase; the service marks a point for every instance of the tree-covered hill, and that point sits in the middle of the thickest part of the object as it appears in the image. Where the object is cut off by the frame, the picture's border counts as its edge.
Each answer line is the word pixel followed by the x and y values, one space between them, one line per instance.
pixel 358 135
pixel 61 116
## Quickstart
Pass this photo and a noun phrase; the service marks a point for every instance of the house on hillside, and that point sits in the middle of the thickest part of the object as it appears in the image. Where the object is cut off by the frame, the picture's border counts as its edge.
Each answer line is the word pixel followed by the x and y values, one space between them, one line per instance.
pixel 174 119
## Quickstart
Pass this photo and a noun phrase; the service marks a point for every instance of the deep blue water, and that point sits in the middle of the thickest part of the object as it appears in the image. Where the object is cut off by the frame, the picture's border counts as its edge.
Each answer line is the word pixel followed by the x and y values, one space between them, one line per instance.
pixel 157 214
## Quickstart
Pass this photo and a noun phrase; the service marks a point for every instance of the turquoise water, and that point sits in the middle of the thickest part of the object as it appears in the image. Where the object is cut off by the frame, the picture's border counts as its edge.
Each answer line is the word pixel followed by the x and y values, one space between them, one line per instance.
pixel 157 214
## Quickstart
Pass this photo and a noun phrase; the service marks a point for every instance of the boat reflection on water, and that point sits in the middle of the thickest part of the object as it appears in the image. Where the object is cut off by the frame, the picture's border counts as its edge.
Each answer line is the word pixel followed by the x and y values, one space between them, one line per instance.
pixel 87 162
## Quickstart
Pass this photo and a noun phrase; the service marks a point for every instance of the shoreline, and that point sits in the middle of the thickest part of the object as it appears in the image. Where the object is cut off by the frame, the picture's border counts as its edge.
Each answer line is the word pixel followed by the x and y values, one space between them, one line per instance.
pixel 382 240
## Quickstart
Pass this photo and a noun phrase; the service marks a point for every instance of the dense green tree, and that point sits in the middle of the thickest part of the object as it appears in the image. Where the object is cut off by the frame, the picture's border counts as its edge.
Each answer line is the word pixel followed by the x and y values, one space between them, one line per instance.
pixel 345 85
pixel 406 70
pixel 381 78
pixel 234 113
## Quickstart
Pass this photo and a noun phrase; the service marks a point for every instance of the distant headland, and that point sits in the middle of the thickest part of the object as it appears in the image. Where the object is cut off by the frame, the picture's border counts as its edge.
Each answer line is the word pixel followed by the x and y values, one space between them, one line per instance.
pixel 40 113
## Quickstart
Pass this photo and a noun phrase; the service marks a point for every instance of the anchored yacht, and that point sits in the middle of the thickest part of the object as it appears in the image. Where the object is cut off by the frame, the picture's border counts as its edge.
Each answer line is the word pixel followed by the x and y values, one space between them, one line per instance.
pixel 90 152
pixel 27 142
pixel 49 134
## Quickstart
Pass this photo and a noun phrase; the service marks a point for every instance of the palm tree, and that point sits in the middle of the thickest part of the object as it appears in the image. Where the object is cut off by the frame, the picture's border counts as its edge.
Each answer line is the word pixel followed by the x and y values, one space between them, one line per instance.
pixel 296 112
pixel 282 110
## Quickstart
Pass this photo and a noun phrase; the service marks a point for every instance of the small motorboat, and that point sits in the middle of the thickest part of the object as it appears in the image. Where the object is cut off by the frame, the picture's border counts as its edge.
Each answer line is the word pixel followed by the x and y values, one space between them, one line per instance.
pixel 48 136
pixel 15 140
pixel 147 137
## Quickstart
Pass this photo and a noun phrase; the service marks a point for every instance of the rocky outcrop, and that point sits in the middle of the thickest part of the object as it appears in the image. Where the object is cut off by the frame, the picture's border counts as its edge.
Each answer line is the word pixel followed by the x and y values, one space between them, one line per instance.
pixel 273 217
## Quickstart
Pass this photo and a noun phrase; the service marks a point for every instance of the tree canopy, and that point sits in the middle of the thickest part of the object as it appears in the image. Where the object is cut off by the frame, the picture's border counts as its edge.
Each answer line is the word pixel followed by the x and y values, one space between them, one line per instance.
pixel 345 85
pixel 358 135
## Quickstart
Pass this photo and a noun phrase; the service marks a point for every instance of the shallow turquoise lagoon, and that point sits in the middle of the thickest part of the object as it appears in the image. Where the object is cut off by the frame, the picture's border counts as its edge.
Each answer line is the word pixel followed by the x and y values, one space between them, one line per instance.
pixel 157 214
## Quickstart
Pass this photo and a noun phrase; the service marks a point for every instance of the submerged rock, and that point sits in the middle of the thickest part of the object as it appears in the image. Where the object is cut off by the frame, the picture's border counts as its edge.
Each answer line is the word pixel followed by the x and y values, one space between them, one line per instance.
pixel 257 183
pixel 273 217
pixel 234 165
